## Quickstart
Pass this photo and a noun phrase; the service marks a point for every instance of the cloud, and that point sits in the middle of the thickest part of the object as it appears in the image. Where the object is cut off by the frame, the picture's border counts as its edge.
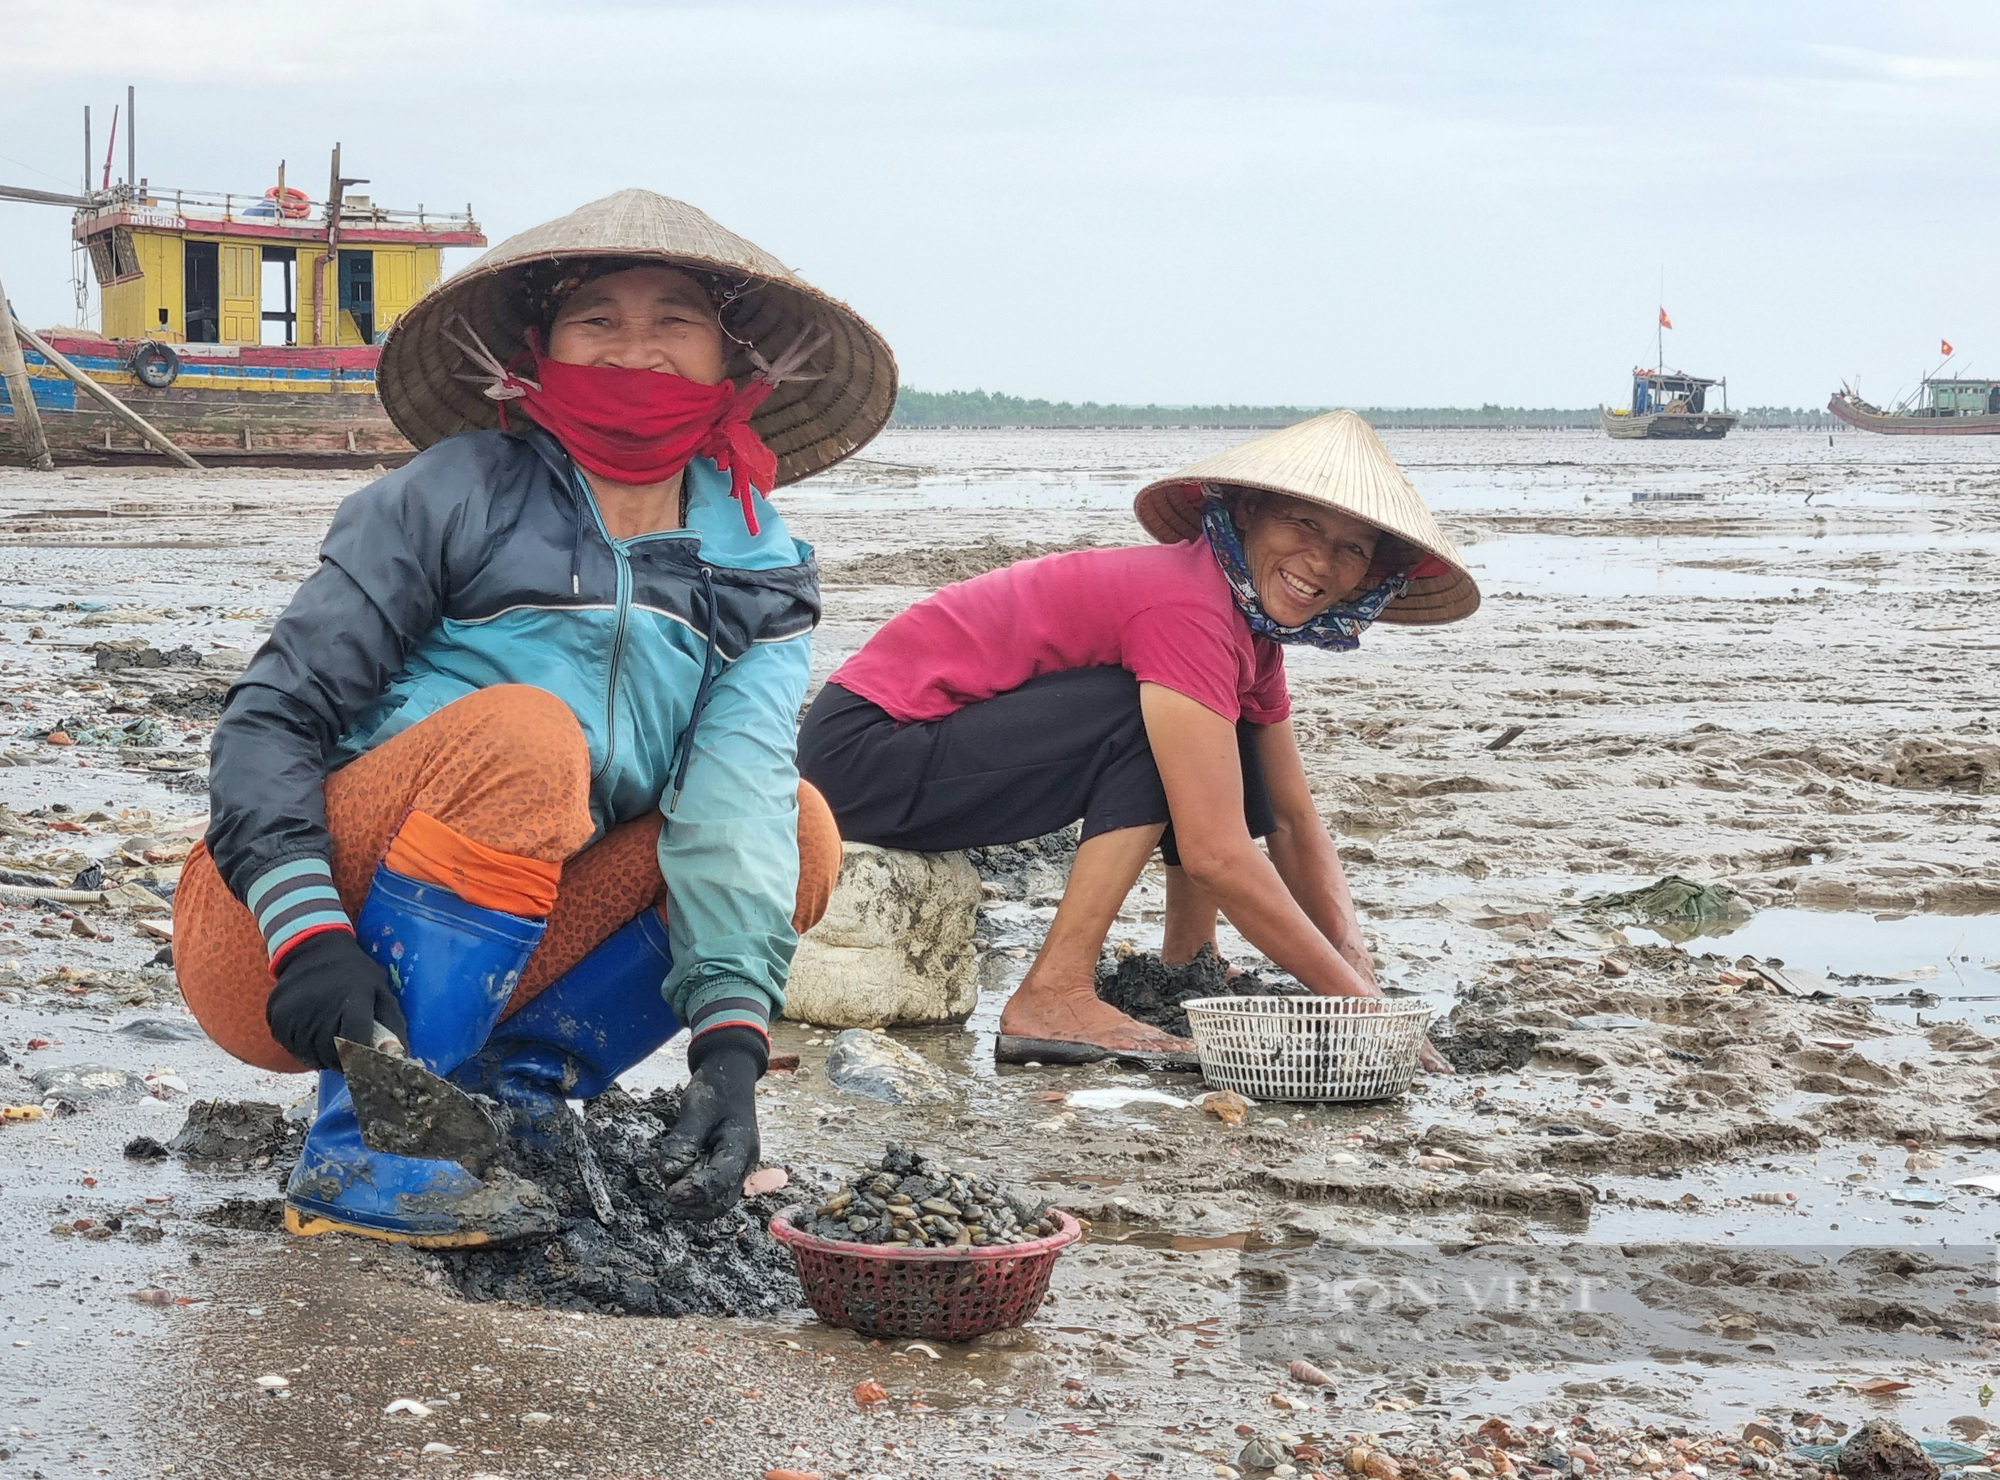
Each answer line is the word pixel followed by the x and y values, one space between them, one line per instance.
pixel 1863 62
pixel 1426 201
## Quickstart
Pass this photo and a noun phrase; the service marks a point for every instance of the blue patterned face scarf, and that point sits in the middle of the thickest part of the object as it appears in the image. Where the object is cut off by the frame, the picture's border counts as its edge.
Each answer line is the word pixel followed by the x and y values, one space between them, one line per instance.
pixel 1337 629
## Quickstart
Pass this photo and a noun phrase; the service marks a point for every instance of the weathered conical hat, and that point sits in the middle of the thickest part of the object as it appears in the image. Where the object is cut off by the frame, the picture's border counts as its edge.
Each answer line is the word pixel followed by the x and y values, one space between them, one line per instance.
pixel 809 424
pixel 1335 460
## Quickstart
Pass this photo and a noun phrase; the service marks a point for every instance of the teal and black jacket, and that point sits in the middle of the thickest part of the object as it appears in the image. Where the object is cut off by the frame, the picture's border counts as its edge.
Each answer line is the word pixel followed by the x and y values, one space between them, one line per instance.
pixel 683 655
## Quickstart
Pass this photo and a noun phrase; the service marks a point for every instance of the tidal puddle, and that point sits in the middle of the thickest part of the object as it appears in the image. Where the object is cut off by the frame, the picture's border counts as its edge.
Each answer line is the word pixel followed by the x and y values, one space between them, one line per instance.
pixel 1937 966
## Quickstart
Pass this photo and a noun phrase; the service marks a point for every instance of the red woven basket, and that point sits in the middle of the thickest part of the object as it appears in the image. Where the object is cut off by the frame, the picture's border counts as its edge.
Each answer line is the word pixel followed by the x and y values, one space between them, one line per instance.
pixel 945 1294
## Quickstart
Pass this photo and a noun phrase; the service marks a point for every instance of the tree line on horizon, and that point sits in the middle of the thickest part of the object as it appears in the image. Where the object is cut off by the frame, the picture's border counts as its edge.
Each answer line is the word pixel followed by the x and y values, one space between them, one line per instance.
pixel 984 409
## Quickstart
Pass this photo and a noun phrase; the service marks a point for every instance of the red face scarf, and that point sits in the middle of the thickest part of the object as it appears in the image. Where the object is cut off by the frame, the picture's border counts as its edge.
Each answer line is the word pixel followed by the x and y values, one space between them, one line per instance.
pixel 643 426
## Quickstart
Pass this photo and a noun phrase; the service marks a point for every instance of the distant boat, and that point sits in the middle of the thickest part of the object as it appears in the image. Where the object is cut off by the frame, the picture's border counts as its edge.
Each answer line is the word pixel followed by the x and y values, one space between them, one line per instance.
pixel 1670 404
pixel 1940 408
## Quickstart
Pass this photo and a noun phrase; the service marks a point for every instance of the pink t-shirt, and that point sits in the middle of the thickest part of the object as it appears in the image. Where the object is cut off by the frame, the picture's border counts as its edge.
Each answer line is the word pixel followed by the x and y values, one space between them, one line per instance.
pixel 1162 611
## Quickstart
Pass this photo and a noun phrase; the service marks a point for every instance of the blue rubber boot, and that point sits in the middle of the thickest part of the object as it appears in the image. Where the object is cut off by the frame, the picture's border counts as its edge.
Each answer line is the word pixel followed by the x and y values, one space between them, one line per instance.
pixel 452 965
pixel 587 1027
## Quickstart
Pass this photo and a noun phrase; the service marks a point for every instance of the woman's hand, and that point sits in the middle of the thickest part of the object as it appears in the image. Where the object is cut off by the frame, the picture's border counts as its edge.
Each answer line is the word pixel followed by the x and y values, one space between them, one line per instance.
pixel 713 1146
pixel 328 989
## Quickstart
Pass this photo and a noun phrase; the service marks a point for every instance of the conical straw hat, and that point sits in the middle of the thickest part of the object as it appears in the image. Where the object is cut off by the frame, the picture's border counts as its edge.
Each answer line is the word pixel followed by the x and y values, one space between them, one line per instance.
pixel 1335 460
pixel 809 424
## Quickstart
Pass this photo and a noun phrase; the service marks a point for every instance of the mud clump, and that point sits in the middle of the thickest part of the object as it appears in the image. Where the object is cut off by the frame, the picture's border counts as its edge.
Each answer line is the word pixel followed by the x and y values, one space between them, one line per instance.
pixel 1878 1450
pixel 1143 986
pixel 909 1201
pixel 642 1261
pixel 117 656
pixel 236 1135
pixel 1488 1050
pixel 246 1214
pixel 197 701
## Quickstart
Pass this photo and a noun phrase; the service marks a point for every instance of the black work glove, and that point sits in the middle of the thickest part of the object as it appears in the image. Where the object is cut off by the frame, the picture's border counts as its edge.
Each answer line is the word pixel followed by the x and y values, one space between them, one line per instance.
pixel 713 1146
pixel 328 988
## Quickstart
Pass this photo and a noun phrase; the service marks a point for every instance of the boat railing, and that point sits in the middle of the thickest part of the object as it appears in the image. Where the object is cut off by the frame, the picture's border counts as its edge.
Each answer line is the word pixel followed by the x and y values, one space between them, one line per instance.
pixel 222 205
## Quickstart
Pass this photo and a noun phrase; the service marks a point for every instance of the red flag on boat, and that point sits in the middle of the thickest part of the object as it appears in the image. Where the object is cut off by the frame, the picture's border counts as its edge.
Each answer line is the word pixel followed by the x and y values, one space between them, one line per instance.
pixel 1944 348
pixel 1665 322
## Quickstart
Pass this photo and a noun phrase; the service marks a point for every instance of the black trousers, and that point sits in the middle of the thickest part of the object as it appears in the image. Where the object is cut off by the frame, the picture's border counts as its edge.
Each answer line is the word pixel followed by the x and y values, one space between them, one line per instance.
pixel 1060 748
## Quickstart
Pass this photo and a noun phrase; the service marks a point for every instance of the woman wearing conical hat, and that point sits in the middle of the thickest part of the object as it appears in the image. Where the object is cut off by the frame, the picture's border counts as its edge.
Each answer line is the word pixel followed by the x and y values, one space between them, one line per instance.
pixel 1141 690
pixel 513 782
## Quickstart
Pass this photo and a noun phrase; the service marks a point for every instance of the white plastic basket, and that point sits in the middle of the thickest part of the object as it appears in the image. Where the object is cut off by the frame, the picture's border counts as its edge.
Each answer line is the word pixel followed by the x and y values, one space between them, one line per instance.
pixel 1308 1048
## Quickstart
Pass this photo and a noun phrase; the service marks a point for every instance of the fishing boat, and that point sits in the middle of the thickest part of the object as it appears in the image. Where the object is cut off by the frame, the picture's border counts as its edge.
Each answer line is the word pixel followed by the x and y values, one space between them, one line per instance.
pixel 1668 403
pixel 1940 408
pixel 246 328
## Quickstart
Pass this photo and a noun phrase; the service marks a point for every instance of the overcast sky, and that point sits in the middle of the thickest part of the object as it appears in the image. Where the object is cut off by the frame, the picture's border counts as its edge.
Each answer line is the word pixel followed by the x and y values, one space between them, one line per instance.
pixel 1338 203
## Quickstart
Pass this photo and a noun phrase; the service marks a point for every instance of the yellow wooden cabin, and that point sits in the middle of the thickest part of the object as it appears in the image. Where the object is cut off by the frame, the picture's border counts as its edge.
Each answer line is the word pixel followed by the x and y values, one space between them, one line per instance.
pixel 263 271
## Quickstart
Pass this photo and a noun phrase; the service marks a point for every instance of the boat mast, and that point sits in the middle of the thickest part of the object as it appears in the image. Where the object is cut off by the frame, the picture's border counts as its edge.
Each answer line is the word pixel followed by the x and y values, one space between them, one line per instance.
pixel 1659 325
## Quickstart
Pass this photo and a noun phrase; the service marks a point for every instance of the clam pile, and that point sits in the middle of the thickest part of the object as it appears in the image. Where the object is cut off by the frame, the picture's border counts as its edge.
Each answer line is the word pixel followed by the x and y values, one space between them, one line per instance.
pixel 912 1201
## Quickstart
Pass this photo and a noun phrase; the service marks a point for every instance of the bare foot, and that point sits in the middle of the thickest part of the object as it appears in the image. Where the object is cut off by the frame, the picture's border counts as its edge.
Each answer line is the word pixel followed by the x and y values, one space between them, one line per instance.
pixel 1035 1011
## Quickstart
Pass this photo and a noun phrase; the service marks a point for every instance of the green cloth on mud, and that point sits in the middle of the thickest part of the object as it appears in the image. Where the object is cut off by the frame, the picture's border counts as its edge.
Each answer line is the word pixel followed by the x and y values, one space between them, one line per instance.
pixel 1675 898
pixel 1945 1451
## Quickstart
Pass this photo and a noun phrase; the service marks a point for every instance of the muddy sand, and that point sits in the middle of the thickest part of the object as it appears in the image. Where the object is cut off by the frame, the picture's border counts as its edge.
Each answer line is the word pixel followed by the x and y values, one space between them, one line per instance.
pixel 1690 1179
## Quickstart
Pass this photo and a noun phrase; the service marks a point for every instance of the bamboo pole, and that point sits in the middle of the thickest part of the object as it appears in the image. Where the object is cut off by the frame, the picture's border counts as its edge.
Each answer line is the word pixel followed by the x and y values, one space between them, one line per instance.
pixel 111 403
pixel 27 416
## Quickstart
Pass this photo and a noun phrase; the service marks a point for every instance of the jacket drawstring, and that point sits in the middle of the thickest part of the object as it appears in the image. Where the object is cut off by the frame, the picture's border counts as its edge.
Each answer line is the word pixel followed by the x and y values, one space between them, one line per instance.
pixel 685 750
pixel 576 544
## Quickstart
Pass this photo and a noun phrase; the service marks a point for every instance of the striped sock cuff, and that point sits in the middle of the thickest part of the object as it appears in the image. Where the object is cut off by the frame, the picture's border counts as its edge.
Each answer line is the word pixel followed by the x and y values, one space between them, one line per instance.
pixel 733 1011
pixel 295 900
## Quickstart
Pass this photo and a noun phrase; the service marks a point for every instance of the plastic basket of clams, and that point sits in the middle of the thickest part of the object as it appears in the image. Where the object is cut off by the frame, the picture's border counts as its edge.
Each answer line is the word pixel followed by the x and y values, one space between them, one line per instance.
pixel 913 1248
pixel 1308 1048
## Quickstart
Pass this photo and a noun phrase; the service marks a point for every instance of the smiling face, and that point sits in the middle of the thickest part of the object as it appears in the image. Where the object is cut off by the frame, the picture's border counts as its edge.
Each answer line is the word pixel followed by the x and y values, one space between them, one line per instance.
pixel 645 318
pixel 1303 557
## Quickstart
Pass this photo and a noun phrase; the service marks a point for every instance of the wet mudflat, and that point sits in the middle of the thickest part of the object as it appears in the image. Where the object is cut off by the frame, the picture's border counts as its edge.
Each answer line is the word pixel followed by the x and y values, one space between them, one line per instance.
pixel 1693 1142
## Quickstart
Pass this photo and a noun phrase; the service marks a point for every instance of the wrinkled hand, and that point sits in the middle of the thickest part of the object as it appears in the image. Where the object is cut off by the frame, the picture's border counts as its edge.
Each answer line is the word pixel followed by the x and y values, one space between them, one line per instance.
pixel 713 1146
pixel 1363 964
pixel 328 988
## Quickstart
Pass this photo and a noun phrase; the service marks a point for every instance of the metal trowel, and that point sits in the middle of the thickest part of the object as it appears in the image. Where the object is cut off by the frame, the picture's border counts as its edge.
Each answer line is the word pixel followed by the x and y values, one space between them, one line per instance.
pixel 406 1110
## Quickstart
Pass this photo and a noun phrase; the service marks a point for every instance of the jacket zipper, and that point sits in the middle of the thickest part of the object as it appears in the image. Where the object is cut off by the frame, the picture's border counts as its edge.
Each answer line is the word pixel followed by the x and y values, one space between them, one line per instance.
pixel 620 555
pixel 617 658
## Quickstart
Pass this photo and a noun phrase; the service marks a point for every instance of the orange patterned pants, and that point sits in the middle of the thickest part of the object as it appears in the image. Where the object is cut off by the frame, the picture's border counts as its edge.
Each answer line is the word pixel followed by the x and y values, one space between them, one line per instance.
pixel 506 771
